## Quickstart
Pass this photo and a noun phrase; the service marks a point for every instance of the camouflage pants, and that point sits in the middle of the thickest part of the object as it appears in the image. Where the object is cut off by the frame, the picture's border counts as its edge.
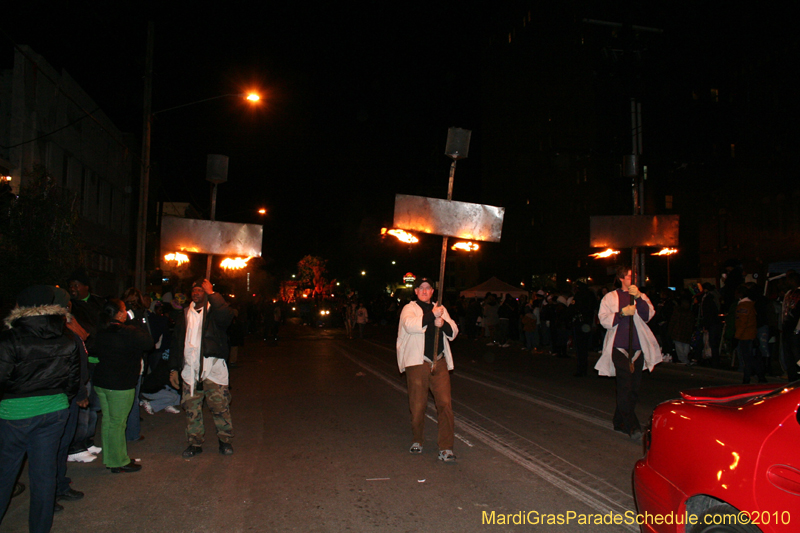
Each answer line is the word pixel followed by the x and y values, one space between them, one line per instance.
pixel 218 398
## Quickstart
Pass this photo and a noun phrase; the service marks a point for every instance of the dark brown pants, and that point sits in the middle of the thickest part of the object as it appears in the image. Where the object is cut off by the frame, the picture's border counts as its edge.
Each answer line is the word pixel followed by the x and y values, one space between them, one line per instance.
pixel 420 380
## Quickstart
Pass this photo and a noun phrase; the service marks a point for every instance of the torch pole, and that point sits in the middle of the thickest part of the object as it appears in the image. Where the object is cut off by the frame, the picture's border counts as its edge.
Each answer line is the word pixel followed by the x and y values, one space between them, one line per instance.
pixel 442 262
pixel 633 303
pixel 213 217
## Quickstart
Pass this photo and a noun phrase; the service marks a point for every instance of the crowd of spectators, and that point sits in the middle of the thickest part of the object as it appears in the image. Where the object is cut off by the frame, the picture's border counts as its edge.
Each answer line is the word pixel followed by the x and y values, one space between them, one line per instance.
pixel 65 357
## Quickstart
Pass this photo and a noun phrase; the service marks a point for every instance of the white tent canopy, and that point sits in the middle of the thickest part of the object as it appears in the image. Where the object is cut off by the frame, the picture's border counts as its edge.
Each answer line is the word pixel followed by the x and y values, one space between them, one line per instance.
pixel 494 285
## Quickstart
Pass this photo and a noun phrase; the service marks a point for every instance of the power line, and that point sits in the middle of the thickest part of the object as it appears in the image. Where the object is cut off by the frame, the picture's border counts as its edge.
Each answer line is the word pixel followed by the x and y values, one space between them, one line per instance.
pixel 51 132
pixel 68 97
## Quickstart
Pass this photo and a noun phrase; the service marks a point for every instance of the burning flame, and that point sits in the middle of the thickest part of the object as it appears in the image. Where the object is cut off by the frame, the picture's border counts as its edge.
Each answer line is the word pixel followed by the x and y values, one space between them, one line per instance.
pixel 608 253
pixel 402 236
pixel 465 246
pixel 178 257
pixel 667 251
pixel 234 263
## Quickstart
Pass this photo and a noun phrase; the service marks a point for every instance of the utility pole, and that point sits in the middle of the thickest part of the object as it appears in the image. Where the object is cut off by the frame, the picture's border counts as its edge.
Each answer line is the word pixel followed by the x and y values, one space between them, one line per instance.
pixel 144 181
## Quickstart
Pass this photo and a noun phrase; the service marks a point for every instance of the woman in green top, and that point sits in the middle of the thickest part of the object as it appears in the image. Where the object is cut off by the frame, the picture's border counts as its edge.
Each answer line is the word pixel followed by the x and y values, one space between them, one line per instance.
pixel 39 373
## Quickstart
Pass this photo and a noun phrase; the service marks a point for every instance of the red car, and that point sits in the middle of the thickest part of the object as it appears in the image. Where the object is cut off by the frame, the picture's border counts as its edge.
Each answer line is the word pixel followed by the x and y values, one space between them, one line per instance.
pixel 722 459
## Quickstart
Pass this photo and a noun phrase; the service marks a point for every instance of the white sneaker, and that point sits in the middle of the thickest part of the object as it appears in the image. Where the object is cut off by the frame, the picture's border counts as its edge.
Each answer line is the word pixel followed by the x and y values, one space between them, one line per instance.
pixel 81 457
pixel 172 409
pixel 147 407
pixel 94 450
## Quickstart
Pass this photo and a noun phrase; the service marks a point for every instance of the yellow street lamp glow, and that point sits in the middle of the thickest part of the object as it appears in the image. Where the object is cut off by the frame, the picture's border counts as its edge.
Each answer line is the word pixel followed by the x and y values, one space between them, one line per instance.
pixel 253 97
pixel 234 263
pixel 178 257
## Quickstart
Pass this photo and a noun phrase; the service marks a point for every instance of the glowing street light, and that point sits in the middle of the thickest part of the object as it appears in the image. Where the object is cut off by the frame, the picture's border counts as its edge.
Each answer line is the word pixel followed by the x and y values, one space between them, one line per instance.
pixel 144 177
pixel 262 211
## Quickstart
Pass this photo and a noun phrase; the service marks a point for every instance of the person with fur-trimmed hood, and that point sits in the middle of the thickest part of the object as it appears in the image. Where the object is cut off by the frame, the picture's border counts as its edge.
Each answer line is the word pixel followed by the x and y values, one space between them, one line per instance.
pixel 39 374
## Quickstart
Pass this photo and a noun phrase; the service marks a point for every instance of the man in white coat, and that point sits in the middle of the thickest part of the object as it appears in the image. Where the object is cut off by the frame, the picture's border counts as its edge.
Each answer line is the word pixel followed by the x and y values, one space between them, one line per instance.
pixel 625 355
pixel 419 322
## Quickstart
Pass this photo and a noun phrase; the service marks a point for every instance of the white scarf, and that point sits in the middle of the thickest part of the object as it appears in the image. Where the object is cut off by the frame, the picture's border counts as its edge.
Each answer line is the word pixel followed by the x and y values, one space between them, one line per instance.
pixel 214 369
pixel 191 350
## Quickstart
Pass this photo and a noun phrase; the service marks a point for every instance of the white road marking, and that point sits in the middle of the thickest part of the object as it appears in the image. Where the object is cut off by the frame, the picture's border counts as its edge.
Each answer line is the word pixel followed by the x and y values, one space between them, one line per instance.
pixel 593 491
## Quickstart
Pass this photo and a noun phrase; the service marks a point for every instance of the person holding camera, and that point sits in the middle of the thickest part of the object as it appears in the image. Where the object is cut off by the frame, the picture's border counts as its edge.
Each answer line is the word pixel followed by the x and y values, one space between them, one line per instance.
pixel 199 357
pixel 137 316
pixel 118 348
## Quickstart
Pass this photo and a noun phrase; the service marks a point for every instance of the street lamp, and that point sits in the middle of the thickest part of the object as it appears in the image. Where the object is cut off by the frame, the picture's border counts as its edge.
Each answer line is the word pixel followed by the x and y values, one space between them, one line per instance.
pixel 144 181
pixel 252 97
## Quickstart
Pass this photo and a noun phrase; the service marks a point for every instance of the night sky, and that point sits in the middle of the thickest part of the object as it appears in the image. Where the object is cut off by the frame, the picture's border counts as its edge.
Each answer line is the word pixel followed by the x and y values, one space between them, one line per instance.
pixel 357 98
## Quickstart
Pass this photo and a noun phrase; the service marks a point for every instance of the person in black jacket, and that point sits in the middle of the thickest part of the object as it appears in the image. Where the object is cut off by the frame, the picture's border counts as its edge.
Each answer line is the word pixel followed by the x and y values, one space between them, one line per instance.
pixel 119 350
pixel 39 374
pixel 199 357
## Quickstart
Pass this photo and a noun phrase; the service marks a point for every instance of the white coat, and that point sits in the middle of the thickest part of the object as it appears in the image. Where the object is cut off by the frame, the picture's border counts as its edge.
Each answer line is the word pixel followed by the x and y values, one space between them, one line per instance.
pixel 411 338
pixel 609 307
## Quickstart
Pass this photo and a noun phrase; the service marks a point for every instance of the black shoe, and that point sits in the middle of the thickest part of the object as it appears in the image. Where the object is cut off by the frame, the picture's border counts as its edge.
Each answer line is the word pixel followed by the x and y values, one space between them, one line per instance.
pixel 130 467
pixel 225 448
pixel 58 508
pixel 70 496
pixel 191 451
pixel 19 488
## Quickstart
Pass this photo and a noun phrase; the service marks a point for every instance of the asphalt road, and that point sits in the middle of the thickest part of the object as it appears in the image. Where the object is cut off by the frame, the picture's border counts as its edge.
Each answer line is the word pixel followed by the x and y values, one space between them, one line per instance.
pixel 321 445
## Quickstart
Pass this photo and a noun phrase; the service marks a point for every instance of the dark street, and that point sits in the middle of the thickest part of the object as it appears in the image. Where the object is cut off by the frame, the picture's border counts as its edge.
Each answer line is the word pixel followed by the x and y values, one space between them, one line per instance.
pixel 321 438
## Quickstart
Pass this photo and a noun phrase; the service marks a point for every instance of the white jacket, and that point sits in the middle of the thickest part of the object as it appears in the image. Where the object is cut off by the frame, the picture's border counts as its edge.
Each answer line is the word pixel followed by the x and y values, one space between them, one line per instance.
pixel 411 338
pixel 609 307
